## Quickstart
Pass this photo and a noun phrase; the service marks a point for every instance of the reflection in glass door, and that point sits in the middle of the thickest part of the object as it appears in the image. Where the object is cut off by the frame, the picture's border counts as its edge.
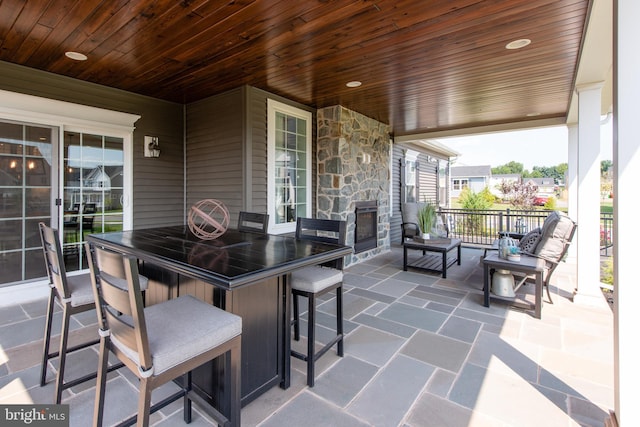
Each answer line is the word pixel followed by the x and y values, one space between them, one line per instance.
pixel 92 191
pixel 27 157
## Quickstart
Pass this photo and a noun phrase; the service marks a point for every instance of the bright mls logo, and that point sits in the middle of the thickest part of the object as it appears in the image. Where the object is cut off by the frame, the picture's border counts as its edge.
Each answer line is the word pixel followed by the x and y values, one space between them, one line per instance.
pixel 34 415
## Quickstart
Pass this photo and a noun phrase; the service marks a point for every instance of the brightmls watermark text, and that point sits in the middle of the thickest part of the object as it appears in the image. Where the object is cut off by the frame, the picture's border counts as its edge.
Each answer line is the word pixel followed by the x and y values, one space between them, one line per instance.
pixel 34 415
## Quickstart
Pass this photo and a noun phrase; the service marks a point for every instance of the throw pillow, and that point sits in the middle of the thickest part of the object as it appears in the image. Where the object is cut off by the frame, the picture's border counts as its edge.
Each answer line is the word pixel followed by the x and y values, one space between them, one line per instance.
pixel 530 240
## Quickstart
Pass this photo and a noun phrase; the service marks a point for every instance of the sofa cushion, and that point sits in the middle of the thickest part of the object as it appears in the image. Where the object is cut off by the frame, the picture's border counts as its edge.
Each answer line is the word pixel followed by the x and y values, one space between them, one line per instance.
pixel 410 218
pixel 530 240
pixel 556 231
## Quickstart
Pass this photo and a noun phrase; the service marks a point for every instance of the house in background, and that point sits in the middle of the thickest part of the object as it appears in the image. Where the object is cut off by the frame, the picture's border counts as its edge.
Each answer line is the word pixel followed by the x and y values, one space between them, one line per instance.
pixel 545 188
pixel 474 177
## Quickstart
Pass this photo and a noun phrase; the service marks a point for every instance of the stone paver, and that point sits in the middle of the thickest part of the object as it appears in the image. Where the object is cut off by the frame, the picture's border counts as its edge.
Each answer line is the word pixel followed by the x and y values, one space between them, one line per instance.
pixel 419 350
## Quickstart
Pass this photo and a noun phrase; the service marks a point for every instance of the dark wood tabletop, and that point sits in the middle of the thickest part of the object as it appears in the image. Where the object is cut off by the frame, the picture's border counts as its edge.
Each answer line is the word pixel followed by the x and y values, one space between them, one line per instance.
pixel 232 260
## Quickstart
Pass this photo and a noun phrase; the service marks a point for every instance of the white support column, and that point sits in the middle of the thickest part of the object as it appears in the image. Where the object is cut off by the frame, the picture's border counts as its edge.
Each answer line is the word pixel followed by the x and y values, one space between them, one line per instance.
pixel 572 182
pixel 626 234
pixel 588 203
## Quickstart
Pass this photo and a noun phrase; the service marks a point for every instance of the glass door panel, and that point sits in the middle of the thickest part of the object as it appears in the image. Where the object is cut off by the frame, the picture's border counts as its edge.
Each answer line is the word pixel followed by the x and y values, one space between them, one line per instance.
pixel 26 188
pixel 93 188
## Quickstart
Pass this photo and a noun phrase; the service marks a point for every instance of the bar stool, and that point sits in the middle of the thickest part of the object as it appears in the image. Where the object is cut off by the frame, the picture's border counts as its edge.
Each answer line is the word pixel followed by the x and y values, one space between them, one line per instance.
pixel 315 281
pixel 75 295
pixel 162 342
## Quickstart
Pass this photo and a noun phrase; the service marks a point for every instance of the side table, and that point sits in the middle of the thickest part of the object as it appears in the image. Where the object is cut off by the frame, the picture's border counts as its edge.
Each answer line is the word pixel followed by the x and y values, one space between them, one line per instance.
pixel 527 265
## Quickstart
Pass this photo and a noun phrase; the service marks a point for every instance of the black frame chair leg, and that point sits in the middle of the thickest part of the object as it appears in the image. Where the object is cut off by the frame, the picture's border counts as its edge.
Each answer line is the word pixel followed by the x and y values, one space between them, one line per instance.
pixel 101 380
pixel 311 340
pixel 186 410
pixel 296 318
pixel 62 355
pixel 47 339
pixel 339 325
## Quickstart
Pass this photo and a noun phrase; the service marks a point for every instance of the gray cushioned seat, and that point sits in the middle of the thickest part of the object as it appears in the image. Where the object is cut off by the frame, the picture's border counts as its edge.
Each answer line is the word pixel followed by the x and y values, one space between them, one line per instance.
pixel 166 326
pixel 556 231
pixel 315 278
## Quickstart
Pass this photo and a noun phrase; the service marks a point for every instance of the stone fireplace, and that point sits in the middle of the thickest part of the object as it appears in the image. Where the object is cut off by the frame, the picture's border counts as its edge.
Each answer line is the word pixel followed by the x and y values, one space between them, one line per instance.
pixel 353 153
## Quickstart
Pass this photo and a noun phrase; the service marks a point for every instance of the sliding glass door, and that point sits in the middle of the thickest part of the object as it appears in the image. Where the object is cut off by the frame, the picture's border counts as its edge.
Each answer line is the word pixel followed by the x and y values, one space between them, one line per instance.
pixel 78 187
pixel 93 190
pixel 27 185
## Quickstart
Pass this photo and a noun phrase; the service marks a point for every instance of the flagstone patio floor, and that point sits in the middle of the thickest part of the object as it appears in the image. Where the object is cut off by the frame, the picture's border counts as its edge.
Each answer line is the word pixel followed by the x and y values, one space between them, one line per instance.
pixel 419 351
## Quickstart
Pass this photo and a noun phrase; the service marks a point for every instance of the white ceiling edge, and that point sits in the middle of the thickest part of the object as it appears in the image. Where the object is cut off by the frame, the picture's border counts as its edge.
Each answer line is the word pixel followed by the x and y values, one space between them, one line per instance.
pixel 503 127
pixel 14 104
pixel 596 59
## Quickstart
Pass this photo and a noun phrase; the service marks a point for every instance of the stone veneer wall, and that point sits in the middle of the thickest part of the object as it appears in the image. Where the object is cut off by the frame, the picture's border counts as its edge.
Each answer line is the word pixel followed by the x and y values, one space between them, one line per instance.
pixel 353 165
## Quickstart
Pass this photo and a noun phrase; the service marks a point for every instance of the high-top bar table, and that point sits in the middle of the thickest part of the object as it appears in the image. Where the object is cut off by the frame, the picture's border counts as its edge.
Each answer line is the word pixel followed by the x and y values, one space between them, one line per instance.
pixel 242 272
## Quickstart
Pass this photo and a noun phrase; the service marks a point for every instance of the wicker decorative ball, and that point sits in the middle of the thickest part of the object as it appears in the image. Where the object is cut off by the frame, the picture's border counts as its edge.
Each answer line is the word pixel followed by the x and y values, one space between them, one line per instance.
pixel 208 219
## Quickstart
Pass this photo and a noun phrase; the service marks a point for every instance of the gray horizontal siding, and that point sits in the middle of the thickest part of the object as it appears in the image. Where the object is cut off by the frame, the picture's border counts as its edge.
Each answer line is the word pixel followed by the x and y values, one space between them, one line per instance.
pixel 215 151
pixel 158 182
pixel 427 179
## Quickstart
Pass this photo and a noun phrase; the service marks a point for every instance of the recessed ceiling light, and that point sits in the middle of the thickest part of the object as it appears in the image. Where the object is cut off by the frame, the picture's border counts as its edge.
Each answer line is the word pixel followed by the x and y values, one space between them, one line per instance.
pixel 517 44
pixel 532 114
pixel 354 83
pixel 76 56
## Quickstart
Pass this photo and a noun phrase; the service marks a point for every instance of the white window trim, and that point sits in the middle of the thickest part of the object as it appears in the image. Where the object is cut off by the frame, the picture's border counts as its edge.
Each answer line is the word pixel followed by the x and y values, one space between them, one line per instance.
pixel 273 107
pixel 80 118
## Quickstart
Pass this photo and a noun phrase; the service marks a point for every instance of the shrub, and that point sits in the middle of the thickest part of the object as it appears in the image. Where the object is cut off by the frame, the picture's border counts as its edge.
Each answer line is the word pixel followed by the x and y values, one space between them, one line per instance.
pixel 550 204
pixel 475 202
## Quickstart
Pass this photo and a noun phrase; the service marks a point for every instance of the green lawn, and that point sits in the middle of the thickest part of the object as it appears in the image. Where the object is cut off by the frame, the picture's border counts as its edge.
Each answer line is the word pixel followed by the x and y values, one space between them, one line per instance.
pixel 606 206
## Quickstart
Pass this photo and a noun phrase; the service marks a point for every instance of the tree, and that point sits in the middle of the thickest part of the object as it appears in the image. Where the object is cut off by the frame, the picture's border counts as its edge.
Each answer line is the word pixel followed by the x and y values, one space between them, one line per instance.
pixel 605 165
pixel 510 168
pixel 520 195
pixel 555 172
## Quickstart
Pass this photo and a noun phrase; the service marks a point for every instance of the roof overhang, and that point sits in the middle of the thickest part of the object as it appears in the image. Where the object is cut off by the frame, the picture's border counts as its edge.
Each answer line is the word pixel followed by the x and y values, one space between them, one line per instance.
pixel 431 147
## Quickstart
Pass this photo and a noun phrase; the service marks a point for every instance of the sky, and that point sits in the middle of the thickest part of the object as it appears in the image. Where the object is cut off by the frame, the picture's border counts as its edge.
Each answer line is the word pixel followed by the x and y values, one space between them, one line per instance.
pixel 535 147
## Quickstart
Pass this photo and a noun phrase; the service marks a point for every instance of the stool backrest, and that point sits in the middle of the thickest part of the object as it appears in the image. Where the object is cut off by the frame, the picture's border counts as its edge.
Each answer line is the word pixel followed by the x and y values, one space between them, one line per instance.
pixel 254 222
pixel 116 287
pixel 53 260
pixel 323 230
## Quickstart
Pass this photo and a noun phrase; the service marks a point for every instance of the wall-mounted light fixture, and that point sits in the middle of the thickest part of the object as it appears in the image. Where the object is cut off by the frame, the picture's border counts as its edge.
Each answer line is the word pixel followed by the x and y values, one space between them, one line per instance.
pixel 151 146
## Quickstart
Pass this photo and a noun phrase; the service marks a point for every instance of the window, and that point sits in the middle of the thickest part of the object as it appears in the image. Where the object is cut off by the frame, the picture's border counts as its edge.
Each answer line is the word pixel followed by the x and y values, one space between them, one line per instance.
pixel 410 176
pixel 460 184
pixel 289 166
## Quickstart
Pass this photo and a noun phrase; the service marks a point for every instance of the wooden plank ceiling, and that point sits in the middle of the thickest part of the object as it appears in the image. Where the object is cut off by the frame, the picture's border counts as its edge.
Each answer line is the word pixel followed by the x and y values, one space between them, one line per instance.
pixel 425 65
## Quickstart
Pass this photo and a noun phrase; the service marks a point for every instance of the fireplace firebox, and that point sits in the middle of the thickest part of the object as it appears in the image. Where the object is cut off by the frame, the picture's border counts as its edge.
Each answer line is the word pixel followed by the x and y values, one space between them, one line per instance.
pixel 366 230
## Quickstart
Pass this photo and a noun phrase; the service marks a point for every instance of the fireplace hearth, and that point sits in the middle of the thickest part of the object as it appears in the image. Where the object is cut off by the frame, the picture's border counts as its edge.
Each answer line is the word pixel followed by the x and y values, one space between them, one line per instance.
pixel 366 226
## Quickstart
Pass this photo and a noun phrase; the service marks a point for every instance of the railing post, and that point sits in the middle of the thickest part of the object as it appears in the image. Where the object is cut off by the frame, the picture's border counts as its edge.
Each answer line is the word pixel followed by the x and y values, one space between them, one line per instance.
pixel 500 226
pixel 508 219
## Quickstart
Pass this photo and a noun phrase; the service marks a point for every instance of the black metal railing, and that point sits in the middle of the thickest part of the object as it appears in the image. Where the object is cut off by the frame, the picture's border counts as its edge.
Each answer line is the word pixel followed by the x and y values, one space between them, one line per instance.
pixel 606 233
pixel 482 227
